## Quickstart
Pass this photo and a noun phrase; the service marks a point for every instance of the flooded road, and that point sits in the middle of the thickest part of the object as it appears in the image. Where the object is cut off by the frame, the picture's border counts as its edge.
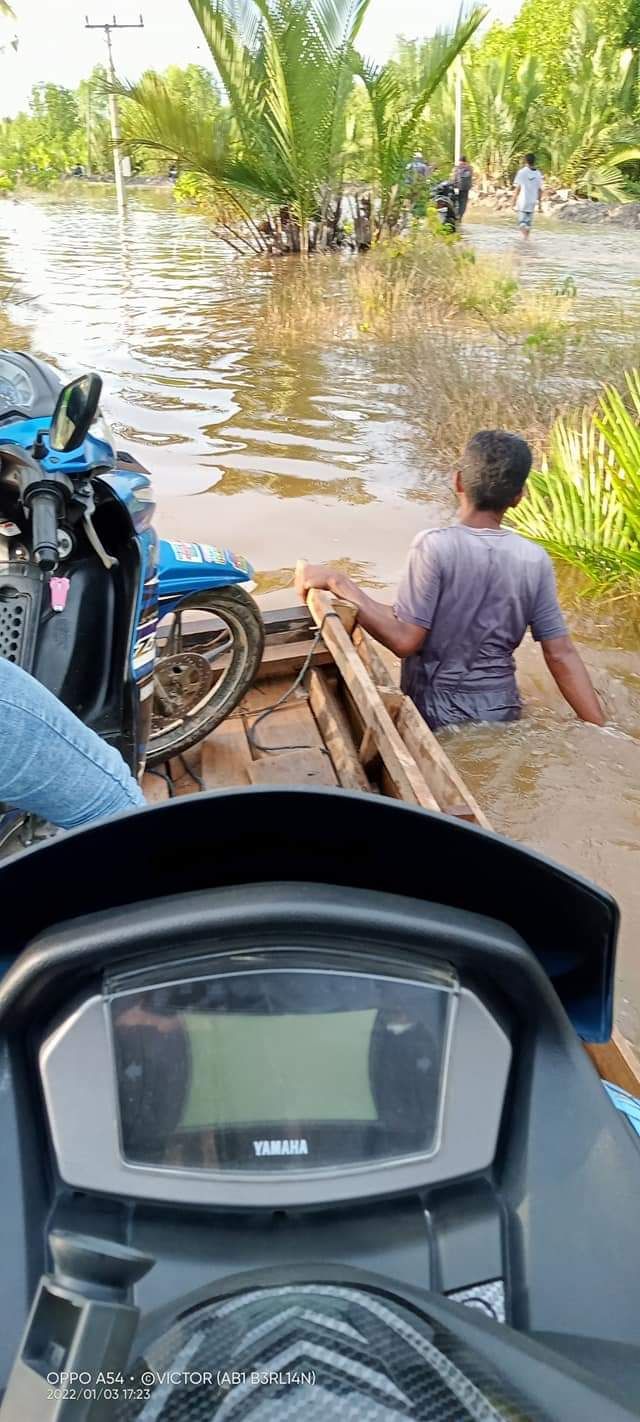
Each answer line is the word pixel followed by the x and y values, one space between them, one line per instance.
pixel 315 452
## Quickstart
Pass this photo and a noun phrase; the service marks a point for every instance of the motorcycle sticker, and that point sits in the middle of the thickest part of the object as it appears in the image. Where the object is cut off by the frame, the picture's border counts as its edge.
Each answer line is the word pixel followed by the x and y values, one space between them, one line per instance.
pixel 213 555
pixel 186 552
pixel 224 555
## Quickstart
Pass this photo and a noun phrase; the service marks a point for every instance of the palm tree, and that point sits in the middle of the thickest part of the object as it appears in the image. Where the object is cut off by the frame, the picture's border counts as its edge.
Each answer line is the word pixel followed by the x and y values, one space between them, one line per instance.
pixel 287 69
pixel 500 99
pixel 584 503
pixel 398 110
pixel 600 129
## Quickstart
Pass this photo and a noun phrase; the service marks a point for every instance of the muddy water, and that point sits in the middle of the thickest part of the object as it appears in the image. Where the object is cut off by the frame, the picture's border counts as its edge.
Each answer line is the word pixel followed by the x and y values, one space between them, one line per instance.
pixel 316 454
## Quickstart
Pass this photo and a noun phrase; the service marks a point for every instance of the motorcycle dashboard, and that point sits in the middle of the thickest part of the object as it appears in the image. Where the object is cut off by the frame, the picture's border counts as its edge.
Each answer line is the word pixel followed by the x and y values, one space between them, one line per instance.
pixel 274 1078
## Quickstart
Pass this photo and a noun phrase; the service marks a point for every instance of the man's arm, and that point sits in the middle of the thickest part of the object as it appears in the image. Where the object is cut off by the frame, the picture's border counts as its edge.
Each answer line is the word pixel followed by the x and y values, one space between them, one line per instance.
pixel 572 678
pixel 378 618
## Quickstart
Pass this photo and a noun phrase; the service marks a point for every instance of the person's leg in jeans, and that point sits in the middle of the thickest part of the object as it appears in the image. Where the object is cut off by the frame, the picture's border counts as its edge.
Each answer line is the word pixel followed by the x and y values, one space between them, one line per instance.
pixel 50 763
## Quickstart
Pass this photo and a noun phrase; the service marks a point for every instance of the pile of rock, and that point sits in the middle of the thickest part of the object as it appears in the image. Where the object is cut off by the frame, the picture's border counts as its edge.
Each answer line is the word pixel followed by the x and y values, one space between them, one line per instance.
pixel 561 203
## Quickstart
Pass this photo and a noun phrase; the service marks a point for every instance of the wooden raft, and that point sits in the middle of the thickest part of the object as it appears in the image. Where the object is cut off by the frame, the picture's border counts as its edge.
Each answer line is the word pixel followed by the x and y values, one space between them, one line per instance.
pixel 347 725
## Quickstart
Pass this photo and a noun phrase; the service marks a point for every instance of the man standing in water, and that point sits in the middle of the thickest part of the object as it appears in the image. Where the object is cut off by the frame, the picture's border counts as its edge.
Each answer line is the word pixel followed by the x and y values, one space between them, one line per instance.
pixel 466 598
pixel 528 186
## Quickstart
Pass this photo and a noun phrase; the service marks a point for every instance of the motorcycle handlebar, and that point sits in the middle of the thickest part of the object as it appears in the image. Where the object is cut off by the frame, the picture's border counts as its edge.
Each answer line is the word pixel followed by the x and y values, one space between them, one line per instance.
pixel 44 528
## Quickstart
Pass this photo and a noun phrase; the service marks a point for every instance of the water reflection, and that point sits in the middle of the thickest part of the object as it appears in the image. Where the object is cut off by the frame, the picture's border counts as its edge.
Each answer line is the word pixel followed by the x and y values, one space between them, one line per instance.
pixel 316 454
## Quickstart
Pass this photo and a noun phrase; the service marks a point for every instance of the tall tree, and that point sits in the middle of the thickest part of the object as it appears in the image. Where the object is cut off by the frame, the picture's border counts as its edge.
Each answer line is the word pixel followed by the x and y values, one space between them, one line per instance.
pixel 286 67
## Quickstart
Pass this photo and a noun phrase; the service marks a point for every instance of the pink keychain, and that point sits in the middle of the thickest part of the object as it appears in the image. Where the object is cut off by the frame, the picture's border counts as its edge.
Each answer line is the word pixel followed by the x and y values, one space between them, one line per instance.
pixel 59 592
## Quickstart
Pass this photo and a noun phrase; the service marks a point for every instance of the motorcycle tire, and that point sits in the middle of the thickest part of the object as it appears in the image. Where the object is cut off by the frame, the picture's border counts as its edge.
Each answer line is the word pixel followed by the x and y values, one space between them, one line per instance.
pixel 241 614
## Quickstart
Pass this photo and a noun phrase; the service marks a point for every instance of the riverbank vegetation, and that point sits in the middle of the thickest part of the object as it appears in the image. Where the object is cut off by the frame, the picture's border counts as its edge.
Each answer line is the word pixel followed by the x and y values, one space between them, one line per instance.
pixel 306 118
pixel 65 129
pixel 290 115
pixel 293 142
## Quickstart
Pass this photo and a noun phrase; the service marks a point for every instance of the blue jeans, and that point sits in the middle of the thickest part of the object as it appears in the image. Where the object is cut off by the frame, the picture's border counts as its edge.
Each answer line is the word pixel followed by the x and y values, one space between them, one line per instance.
pixel 50 763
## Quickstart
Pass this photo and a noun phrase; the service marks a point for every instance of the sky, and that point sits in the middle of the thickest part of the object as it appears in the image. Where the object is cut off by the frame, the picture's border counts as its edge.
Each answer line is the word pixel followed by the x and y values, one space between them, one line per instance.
pixel 54 45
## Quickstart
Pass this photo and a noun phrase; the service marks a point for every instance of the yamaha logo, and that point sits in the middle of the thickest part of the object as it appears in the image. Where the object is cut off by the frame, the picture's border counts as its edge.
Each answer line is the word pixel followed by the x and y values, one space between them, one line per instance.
pixel 280 1148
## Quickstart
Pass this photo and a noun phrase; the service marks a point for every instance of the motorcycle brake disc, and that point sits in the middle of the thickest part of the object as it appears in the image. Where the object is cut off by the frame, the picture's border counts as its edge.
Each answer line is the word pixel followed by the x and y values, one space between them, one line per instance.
pixel 181 683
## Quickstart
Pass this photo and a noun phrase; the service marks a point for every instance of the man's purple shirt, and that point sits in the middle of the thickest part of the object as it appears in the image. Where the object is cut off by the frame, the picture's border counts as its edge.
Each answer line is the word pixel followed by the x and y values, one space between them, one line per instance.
pixel 476 591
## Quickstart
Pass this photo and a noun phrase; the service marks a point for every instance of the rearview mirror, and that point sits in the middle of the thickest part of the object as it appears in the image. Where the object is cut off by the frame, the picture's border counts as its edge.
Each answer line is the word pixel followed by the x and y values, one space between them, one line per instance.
pixel 75 412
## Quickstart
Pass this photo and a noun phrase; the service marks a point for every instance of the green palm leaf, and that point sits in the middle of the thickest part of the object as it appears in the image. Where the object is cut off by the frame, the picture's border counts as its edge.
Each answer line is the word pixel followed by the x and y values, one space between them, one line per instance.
pixel 583 505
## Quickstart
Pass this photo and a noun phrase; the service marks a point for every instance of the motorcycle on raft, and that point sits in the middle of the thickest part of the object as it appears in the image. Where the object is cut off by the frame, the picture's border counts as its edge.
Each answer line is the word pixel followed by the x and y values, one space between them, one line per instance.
pixel 150 642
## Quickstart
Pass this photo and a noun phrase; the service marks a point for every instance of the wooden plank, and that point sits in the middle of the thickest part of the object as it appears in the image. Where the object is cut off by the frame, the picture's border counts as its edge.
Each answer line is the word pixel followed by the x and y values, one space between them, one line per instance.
pixel 441 776
pixel 287 658
pixel 336 733
pixel 370 653
pixel 226 756
pixel 299 767
pixel 265 694
pixel 290 728
pixel 180 767
pixel 393 700
pixel 154 787
pixel 407 778
pixel 347 612
pixel 617 1062
pixel 294 621
pixel 368 751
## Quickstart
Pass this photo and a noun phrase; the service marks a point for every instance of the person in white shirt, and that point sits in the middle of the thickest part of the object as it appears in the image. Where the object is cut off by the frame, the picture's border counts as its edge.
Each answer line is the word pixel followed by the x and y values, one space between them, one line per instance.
pixel 528 186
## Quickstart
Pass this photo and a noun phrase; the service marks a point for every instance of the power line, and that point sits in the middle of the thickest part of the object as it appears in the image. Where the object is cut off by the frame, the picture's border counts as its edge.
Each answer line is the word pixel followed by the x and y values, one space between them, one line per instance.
pixel 107 26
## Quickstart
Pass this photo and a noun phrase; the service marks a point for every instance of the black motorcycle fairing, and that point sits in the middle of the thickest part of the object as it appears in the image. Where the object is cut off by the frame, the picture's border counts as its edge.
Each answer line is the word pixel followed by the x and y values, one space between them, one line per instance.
pixel 83 653
pixel 239 836
pixel 216 865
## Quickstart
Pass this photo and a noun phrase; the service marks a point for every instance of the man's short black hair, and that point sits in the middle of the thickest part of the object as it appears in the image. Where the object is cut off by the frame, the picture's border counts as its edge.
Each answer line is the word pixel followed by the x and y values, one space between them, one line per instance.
pixel 530 158
pixel 494 469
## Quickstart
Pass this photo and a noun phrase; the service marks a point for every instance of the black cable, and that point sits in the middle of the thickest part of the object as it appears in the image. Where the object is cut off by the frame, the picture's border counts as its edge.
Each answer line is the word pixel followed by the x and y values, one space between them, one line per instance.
pixel 162 775
pixel 192 773
pixel 251 731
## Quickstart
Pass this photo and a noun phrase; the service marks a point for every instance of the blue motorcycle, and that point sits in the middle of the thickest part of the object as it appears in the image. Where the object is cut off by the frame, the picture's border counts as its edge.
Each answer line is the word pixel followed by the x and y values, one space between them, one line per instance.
pixel 151 643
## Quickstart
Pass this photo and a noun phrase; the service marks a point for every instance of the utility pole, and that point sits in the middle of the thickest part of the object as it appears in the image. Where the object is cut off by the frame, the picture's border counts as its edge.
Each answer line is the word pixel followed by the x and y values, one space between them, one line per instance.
pixel 108 26
pixel 458 134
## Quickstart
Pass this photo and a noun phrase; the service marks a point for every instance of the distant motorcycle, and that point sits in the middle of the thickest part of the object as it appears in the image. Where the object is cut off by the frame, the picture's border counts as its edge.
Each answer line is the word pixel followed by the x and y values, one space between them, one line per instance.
pixel 445 198
pixel 151 643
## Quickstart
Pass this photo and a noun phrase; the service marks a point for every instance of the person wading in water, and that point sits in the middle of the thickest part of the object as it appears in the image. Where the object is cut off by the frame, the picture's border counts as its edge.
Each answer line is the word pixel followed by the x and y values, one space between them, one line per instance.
pixel 528 185
pixel 466 598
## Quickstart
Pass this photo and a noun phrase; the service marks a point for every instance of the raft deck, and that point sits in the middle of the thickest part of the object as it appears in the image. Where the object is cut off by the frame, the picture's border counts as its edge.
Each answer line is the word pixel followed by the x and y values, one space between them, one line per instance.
pixel 348 724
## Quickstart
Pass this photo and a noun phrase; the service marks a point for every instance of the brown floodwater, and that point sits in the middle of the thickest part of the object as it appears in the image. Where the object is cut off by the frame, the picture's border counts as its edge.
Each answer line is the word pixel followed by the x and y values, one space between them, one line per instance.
pixel 316 453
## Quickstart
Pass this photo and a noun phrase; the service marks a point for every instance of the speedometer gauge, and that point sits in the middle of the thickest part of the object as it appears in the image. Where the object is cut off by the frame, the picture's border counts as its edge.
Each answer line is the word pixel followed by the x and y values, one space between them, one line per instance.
pixel 16 388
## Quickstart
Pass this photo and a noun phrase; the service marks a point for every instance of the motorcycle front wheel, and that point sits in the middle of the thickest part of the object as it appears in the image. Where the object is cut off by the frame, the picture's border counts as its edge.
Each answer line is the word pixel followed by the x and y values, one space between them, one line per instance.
pixel 210 648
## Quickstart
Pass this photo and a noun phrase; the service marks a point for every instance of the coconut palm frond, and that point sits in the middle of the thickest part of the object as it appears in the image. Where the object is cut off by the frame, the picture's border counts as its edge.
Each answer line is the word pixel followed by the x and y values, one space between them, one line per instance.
pixel 286 67
pixel 600 129
pixel 580 504
pixel 620 427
